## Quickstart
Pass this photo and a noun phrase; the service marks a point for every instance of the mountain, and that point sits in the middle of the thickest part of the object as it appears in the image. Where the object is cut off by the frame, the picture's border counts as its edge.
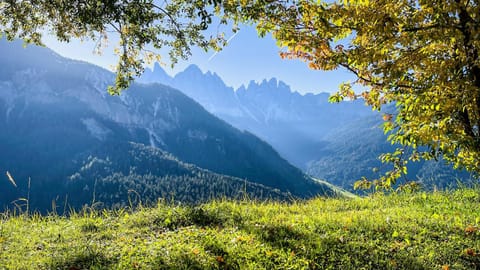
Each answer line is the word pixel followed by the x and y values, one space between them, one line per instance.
pixel 56 117
pixel 336 142
pixel 295 125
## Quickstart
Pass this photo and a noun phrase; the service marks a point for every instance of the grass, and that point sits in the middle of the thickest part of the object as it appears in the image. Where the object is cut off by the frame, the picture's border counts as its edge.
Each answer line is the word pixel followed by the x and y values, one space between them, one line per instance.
pixel 406 231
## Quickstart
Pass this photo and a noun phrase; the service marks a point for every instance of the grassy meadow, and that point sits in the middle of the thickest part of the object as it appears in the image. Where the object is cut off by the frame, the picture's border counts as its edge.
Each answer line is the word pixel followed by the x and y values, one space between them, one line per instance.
pixel 439 230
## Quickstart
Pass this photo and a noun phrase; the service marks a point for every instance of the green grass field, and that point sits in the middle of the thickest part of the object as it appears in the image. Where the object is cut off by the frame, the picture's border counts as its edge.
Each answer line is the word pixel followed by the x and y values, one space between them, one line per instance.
pixel 406 231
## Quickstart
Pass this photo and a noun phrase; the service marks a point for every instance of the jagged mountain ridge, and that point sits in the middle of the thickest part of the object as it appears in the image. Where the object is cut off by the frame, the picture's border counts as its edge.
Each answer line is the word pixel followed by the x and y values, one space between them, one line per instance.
pixel 296 125
pixel 57 111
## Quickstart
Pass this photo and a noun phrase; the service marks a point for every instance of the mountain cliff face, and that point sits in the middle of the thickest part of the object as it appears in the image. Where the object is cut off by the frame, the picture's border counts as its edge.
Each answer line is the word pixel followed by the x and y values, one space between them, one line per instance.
pixel 56 116
pixel 294 124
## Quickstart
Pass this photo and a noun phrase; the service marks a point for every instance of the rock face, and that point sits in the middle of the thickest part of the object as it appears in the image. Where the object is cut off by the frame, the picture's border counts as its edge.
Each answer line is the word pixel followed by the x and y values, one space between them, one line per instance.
pixel 295 125
pixel 55 114
pixel 298 126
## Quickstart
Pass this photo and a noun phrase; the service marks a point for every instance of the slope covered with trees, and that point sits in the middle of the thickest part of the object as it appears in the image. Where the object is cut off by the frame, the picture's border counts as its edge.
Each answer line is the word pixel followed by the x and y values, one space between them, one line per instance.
pixel 124 174
pixel 353 152
pixel 54 114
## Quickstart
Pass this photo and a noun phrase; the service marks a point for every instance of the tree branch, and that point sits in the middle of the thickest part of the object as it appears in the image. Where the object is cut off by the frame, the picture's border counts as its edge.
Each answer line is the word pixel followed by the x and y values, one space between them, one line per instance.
pixel 172 19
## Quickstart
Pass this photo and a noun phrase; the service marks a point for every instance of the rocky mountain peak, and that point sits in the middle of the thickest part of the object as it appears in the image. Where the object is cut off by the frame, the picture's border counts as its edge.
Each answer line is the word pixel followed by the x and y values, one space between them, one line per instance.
pixel 270 110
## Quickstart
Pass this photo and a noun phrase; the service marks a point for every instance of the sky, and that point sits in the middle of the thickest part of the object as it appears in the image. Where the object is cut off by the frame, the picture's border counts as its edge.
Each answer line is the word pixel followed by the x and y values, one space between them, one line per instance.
pixel 247 57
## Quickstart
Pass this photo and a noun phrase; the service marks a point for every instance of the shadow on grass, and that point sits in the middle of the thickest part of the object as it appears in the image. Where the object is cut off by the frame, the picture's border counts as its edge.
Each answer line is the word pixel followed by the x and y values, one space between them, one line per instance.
pixel 92 260
pixel 281 236
pixel 336 251
pixel 205 218
pixel 180 262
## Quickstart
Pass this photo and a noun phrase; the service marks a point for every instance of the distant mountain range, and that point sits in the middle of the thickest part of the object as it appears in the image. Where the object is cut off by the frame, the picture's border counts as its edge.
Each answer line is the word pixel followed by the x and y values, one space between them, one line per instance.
pixel 337 142
pixel 80 145
pixel 294 124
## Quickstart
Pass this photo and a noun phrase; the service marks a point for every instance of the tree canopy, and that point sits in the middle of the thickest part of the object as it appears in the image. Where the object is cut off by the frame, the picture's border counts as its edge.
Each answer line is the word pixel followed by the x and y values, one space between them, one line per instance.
pixel 143 27
pixel 422 56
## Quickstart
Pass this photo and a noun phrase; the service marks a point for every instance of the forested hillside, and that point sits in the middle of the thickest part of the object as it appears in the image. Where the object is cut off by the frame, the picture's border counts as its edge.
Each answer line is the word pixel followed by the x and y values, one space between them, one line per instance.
pixel 56 118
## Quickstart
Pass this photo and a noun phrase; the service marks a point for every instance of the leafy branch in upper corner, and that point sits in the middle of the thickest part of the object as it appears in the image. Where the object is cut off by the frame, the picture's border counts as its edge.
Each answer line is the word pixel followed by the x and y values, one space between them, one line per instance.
pixel 139 24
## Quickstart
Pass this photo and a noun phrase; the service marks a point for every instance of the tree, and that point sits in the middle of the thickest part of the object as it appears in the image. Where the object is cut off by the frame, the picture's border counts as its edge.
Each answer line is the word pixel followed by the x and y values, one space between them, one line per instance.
pixel 422 56
pixel 140 25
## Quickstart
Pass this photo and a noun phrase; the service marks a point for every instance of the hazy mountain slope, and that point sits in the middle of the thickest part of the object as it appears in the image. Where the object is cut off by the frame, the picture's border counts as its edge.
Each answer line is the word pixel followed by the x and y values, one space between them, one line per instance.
pixel 294 124
pixel 73 155
pixel 353 152
pixel 182 127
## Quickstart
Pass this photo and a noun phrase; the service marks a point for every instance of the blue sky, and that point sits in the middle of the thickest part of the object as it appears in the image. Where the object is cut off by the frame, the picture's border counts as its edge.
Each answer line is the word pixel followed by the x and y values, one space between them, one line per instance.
pixel 247 57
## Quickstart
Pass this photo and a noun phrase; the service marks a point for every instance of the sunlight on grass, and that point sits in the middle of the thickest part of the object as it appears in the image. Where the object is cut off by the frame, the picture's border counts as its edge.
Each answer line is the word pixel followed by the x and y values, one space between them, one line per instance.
pixel 399 231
